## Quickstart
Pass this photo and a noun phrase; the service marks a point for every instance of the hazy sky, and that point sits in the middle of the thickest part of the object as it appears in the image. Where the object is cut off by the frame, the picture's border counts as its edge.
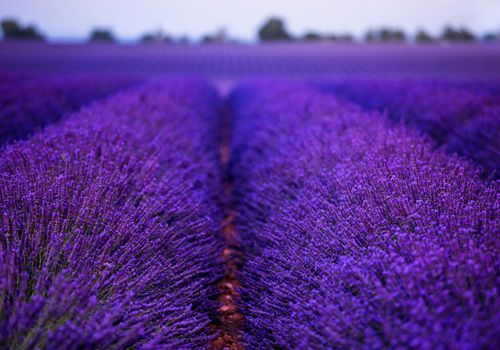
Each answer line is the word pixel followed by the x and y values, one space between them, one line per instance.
pixel 129 18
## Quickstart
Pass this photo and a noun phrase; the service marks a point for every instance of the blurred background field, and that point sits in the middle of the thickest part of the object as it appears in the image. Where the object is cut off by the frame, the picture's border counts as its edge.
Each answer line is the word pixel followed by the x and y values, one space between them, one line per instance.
pixel 224 42
pixel 232 61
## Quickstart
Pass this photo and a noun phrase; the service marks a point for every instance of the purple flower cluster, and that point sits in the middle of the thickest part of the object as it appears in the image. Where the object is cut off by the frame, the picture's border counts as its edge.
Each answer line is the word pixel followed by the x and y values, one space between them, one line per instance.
pixel 109 224
pixel 357 232
pixel 463 116
pixel 29 103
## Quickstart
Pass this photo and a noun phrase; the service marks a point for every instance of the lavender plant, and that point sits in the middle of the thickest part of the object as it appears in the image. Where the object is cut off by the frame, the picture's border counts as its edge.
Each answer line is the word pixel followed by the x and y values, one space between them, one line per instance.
pixel 109 225
pixel 479 139
pixel 442 110
pixel 29 103
pixel 358 233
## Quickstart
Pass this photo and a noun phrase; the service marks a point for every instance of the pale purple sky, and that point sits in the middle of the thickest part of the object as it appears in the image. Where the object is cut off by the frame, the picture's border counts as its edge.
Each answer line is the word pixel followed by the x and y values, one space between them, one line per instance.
pixel 66 19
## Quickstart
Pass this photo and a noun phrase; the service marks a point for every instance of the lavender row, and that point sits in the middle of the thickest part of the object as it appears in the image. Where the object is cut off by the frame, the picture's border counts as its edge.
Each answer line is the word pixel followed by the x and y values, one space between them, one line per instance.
pixel 357 232
pixel 109 225
pixel 463 116
pixel 8 77
pixel 297 60
pixel 29 103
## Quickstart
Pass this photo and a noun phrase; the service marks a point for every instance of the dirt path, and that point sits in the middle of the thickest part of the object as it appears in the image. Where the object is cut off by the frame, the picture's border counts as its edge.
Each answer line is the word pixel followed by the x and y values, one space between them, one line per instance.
pixel 230 319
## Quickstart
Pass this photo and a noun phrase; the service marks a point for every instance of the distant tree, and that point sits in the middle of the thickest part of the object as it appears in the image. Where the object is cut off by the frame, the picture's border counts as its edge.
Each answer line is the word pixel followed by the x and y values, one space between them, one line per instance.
pixel 343 38
pixel 274 30
pixel 451 34
pixel 148 38
pixel 155 37
pixel 184 40
pixel 423 37
pixel 392 35
pixel 340 38
pixel 101 35
pixel 207 39
pixel 312 36
pixel 370 36
pixel 491 37
pixel 220 36
pixel 466 35
pixel 385 35
pixel 12 30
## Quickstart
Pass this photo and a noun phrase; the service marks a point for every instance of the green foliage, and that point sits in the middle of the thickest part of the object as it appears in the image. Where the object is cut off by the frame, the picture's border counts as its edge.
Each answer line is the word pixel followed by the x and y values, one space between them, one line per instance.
pixel 274 30
pixel 155 37
pixel 451 34
pixel 385 35
pixel 220 36
pixel 312 36
pixel 491 37
pixel 341 38
pixel 423 37
pixel 101 35
pixel 12 30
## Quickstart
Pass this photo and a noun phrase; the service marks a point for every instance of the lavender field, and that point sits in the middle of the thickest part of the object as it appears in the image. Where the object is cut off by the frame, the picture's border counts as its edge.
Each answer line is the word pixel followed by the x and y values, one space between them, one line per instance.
pixel 272 196
pixel 233 62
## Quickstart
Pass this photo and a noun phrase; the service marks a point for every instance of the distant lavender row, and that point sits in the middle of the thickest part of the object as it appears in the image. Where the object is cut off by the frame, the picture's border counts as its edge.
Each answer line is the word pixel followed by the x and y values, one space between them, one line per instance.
pixel 8 77
pixel 298 60
pixel 27 104
pixel 357 233
pixel 109 225
pixel 464 117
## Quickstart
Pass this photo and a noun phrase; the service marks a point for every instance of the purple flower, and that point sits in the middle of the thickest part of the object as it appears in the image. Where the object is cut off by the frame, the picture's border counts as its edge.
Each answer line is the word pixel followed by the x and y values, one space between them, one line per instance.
pixel 453 114
pixel 30 103
pixel 109 225
pixel 357 232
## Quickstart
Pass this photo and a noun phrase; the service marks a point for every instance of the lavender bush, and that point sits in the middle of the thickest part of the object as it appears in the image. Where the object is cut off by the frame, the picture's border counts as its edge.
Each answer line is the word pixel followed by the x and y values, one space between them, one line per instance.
pixel 479 139
pixel 357 232
pixel 109 225
pixel 29 103
pixel 442 110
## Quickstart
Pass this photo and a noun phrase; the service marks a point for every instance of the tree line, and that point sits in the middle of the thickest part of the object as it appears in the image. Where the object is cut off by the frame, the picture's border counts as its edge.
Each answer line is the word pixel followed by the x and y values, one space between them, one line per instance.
pixel 272 30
